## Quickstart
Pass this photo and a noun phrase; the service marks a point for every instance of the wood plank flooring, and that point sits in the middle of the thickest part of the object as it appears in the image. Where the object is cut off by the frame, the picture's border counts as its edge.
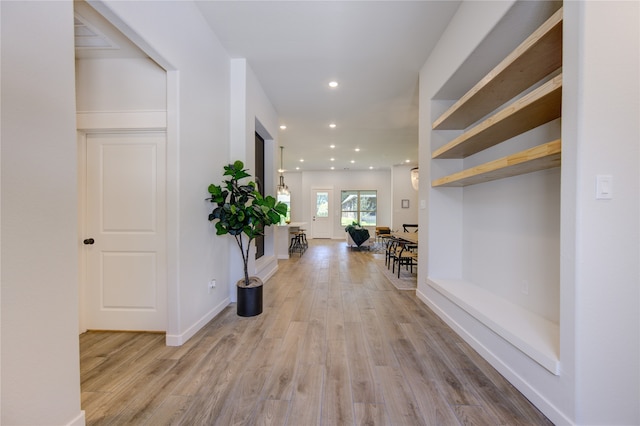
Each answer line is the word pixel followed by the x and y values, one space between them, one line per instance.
pixel 336 344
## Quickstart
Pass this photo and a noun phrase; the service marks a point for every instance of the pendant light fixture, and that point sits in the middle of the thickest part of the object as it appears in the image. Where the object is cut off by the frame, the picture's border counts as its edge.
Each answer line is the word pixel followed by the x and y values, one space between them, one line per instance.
pixel 415 178
pixel 282 188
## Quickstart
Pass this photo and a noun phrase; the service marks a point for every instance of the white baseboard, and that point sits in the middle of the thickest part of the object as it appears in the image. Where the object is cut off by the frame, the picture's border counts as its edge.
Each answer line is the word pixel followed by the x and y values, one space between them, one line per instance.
pixel 79 420
pixel 180 339
pixel 266 267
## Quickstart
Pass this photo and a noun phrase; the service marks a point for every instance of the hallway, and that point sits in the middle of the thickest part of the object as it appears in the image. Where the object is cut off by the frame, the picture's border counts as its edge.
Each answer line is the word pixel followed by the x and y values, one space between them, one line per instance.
pixel 336 344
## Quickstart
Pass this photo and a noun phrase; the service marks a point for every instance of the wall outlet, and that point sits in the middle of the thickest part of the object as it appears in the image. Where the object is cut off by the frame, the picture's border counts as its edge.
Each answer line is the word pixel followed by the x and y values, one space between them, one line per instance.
pixel 212 285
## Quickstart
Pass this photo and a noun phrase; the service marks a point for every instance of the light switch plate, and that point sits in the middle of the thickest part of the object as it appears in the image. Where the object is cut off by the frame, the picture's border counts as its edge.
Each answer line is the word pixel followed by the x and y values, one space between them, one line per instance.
pixel 604 187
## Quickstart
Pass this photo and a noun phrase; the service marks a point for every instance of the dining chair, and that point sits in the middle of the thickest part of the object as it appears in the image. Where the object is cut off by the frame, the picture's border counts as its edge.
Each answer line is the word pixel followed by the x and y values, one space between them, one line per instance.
pixel 390 251
pixel 405 257
pixel 409 227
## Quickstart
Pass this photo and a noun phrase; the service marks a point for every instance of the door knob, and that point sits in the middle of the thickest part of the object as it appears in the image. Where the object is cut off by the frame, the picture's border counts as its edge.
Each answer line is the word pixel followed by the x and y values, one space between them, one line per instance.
pixel 89 241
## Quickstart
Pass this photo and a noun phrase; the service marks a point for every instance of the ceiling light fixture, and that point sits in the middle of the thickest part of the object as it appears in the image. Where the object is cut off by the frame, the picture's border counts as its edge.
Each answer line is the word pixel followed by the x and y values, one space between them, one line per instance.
pixel 283 127
pixel 357 149
pixel 282 188
pixel 332 125
pixel 332 146
pixel 333 84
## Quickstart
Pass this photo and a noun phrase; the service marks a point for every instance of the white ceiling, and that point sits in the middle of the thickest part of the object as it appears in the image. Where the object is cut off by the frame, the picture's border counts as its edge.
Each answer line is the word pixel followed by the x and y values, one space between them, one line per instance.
pixel 374 49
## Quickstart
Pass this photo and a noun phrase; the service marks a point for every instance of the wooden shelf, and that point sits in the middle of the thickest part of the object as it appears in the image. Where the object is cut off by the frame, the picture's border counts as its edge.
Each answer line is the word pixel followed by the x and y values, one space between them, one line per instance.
pixel 536 57
pixel 545 156
pixel 536 108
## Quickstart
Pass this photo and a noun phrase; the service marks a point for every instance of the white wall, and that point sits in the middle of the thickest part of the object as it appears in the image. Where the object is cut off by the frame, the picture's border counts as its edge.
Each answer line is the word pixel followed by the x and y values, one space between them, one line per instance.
pixel 603 132
pixel 302 183
pixel 115 85
pixel 252 113
pixel 402 190
pixel 40 354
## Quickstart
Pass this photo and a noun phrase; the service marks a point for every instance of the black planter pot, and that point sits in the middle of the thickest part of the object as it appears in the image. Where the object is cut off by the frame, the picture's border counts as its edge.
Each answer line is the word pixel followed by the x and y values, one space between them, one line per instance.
pixel 249 301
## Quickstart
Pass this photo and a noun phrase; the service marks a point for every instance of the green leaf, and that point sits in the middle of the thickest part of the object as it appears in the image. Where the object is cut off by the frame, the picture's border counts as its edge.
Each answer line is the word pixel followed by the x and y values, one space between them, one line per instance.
pixel 220 229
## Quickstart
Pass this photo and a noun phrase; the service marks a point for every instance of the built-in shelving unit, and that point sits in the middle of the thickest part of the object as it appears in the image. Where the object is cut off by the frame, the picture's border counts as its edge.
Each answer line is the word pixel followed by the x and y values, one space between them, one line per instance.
pixel 534 59
pixel 534 69
pixel 538 56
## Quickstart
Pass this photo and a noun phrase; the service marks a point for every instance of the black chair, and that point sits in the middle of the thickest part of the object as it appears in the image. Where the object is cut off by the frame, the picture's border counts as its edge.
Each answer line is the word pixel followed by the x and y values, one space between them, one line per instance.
pixel 406 257
pixel 409 227
pixel 390 251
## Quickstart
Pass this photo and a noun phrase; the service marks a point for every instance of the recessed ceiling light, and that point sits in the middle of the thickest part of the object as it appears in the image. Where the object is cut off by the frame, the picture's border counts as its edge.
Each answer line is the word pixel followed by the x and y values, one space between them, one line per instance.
pixel 332 146
pixel 407 161
pixel 357 149
pixel 353 161
pixel 370 167
pixel 333 168
pixel 332 125
pixel 302 160
pixel 332 159
pixel 333 84
pixel 283 127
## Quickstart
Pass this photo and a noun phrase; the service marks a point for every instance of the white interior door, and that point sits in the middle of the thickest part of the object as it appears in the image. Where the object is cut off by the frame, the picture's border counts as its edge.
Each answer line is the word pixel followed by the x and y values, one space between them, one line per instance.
pixel 321 218
pixel 125 239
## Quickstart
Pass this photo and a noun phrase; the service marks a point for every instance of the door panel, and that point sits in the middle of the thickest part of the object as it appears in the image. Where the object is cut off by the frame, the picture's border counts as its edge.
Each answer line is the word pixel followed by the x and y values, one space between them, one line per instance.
pixel 125 216
pixel 322 219
pixel 129 281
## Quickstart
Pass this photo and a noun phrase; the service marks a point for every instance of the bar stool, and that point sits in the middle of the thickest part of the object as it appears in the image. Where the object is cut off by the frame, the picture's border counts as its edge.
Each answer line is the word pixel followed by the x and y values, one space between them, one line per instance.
pixel 303 238
pixel 296 244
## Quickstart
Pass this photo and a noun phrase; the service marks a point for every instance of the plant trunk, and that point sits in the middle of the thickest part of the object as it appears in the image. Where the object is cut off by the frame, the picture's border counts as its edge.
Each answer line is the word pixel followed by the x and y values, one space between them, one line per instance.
pixel 245 257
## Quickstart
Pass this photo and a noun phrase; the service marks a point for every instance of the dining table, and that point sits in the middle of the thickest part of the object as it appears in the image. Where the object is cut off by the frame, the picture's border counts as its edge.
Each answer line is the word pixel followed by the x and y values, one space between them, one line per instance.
pixel 411 237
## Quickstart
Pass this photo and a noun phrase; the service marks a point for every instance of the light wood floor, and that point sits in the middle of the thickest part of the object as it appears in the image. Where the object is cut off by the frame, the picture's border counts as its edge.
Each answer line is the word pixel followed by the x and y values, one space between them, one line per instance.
pixel 336 344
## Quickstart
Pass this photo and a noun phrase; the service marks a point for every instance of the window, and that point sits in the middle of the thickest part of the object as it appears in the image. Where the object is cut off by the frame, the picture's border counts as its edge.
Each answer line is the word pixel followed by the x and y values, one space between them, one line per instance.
pixel 322 204
pixel 359 206
pixel 286 199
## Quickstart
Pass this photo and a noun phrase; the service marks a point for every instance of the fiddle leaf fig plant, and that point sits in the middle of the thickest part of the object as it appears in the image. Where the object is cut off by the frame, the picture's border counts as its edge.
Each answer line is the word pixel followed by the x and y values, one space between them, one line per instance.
pixel 241 209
